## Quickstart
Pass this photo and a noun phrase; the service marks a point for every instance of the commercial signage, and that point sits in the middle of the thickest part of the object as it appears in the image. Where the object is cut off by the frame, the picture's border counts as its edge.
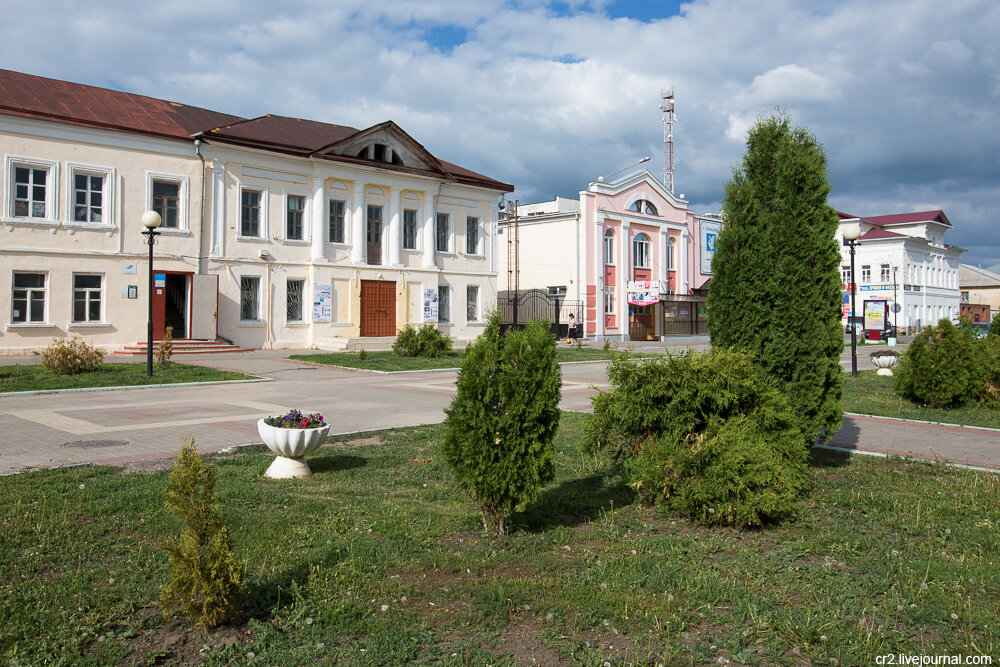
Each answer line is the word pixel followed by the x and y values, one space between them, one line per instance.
pixel 642 292
pixel 709 237
pixel 875 314
pixel 322 303
pixel 160 279
pixel 430 304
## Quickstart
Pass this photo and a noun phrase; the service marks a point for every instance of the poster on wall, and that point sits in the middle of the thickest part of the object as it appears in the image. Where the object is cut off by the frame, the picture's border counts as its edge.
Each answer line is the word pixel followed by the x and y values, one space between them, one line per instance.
pixel 430 304
pixel 709 237
pixel 322 303
pixel 875 315
pixel 642 292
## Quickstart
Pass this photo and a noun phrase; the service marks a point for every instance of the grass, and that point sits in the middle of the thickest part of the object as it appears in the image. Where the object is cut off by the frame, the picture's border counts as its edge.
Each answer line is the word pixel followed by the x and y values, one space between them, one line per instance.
pixel 379 560
pixel 390 361
pixel 872 394
pixel 36 378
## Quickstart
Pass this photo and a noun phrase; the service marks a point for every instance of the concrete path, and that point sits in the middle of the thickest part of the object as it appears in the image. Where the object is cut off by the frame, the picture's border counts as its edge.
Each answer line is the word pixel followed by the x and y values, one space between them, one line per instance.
pixel 125 426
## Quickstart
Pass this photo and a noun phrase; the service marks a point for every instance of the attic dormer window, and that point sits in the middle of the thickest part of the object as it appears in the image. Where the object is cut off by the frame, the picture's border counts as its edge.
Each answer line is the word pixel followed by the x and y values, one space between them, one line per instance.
pixel 363 153
pixel 643 206
pixel 380 152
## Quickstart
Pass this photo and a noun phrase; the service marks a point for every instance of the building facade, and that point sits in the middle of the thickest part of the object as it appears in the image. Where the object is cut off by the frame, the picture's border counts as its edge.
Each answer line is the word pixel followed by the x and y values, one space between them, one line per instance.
pixel 903 268
pixel 979 287
pixel 628 251
pixel 277 232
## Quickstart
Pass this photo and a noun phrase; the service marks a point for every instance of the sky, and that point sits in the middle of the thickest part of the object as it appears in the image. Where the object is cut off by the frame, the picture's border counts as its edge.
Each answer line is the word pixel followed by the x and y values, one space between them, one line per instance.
pixel 902 94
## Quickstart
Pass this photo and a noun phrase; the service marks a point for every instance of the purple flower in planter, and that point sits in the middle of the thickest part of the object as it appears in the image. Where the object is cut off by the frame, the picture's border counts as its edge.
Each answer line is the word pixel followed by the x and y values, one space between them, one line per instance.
pixel 295 419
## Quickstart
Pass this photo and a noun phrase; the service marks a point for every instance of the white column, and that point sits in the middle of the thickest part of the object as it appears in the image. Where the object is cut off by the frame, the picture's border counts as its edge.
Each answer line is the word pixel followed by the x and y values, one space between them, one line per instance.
pixel 218 209
pixel 665 253
pixel 428 231
pixel 394 226
pixel 682 261
pixel 358 240
pixel 318 210
pixel 599 282
pixel 623 272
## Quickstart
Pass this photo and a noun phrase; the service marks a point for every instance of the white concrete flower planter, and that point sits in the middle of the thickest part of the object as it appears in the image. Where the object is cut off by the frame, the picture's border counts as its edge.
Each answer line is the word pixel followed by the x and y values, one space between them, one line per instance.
pixel 291 445
pixel 884 364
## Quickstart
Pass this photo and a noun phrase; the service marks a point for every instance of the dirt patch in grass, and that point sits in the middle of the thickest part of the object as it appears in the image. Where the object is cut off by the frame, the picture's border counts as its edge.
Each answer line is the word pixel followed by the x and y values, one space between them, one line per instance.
pixel 362 442
pixel 524 642
pixel 148 467
pixel 179 643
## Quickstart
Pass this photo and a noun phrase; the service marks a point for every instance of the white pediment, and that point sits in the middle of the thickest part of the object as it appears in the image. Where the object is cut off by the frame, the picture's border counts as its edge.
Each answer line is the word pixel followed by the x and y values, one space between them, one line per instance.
pixel 385 144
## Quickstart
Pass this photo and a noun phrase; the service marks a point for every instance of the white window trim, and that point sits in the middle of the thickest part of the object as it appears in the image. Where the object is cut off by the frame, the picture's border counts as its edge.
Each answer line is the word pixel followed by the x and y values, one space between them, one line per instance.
pixel 183 225
pixel 262 223
pixel 306 217
pixel 402 226
pixel 104 301
pixel 45 315
pixel 346 201
pixel 304 320
pixel 671 250
pixel 609 290
pixel 478 315
pixel 604 247
pixel 450 235
pixel 108 207
pixel 260 288
pixel 51 218
pixel 647 263
pixel 479 236
pixel 451 295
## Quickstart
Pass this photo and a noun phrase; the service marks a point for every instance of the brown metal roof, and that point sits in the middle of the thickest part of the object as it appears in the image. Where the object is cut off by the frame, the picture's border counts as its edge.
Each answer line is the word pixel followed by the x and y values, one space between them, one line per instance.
pixel 283 132
pixel 77 104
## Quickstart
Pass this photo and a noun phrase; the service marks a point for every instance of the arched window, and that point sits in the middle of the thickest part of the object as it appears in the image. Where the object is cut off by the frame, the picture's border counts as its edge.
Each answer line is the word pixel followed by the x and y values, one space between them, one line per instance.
pixel 643 206
pixel 670 254
pixel 609 247
pixel 640 251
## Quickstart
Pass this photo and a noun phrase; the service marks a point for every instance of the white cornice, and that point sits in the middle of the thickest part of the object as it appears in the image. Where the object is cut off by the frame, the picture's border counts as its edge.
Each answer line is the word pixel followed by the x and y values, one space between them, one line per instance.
pixel 31 127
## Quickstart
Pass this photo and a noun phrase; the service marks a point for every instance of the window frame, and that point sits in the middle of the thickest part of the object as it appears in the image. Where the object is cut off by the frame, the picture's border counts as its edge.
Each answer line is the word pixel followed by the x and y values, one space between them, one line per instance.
pixel 414 227
pixel 261 217
pixel 51 218
pixel 183 224
pixel 342 222
pixel 44 289
pixel 609 299
pixel 671 252
pixel 302 310
pixel 643 207
pixel 444 304
pixel 257 319
pixel 101 300
pixel 472 228
pixel 640 251
pixel 885 273
pixel 304 215
pixel 609 247
pixel 866 273
pixel 472 305
pixel 108 217
pixel 446 236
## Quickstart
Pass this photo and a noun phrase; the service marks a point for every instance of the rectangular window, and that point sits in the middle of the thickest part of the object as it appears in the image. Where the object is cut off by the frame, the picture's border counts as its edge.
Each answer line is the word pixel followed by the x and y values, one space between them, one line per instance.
pixel 28 303
pixel 609 300
pixel 409 229
pixel 845 275
pixel 444 303
pixel 88 198
pixel 167 202
pixel 295 206
pixel 472 236
pixel 87 298
pixel 964 296
pixel 441 232
pixel 885 275
pixel 557 290
pixel 250 298
pixel 374 254
pixel 609 248
pixel 30 192
pixel 640 251
pixel 866 273
pixel 472 303
pixel 336 221
pixel 294 290
pixel 250 213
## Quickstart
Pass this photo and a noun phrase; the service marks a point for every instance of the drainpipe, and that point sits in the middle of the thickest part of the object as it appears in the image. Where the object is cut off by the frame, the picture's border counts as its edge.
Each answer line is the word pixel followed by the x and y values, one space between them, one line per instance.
pixel 201 205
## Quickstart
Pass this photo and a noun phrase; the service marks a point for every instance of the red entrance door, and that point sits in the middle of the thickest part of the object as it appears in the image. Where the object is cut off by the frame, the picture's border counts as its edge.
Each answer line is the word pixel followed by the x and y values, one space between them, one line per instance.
pixel 171 302
pixel 378 308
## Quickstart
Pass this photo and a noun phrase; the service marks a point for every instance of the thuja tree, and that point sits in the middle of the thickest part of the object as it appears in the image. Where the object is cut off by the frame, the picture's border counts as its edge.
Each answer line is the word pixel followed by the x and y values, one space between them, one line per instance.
pixel 500 426
pixel 775 288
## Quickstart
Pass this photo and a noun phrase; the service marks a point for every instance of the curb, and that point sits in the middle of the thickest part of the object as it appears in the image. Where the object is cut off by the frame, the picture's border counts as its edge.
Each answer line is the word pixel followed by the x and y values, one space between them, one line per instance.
pixel 77 390
pixel 883 455
pixel 920 421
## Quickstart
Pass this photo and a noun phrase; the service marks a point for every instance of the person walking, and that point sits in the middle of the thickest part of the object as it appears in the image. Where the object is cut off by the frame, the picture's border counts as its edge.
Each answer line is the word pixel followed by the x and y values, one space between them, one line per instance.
pixel 572 328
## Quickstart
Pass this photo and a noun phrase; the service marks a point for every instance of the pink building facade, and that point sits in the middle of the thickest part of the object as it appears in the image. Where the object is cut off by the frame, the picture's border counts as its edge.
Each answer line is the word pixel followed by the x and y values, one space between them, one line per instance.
pixel 628 252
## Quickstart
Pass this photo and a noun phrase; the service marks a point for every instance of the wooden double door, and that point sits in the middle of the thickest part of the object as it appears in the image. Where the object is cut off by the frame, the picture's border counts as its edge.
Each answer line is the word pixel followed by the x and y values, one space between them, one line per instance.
pixel 378 308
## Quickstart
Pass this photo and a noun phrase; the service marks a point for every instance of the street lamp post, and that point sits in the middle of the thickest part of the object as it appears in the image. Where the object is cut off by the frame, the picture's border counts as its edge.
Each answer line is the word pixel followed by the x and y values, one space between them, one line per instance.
pixel 852 231
pixel 150 220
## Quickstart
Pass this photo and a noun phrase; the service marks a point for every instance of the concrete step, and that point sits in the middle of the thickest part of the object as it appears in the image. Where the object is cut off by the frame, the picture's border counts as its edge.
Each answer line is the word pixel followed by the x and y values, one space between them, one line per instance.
pixel 184 346
pixel 371 344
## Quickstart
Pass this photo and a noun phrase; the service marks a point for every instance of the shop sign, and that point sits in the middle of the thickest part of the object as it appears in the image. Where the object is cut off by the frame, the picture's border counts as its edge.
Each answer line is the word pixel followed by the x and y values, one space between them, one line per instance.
pixel 642 292
pixel 322 303
pixel 702 310
pixel 430 304
pixel 875 315
pixel 709 238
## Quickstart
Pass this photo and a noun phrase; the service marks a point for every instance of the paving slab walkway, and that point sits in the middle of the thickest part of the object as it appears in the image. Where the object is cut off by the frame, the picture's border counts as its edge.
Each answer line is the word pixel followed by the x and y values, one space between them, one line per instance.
pixel 126 426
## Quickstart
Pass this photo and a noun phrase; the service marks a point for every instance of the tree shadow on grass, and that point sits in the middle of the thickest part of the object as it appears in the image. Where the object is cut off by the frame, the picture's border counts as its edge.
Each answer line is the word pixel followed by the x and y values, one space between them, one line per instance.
pixel 336 462
pixel 576 501
pixel 827 458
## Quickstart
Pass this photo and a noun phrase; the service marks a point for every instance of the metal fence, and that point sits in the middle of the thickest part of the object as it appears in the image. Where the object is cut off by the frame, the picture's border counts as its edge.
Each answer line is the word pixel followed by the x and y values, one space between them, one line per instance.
pixel 519 308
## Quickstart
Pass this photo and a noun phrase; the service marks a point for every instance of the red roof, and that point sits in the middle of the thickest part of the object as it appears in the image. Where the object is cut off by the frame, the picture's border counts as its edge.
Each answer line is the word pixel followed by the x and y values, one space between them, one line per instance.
pixel 283 133
pixel 877 233
pixel 907 218
pixel 77 104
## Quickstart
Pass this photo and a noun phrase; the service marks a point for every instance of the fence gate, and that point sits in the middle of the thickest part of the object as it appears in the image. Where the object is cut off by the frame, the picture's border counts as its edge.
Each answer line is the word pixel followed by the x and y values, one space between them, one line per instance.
pixel 519 308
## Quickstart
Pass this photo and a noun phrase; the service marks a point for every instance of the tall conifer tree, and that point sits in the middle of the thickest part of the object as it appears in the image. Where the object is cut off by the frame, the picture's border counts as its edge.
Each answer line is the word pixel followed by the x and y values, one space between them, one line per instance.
pixel 775 288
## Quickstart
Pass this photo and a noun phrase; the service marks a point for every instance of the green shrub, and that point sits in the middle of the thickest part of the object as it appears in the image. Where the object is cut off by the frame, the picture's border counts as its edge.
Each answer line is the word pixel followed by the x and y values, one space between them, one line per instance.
pixel 362 354
pixel 707 435
pixel 427 342
pixel 607 345
pixel 989 357
pixel 165 349
pixel 994 331
pixel 204 576
pixel 941 367
pixel 71 356
pixel 500 426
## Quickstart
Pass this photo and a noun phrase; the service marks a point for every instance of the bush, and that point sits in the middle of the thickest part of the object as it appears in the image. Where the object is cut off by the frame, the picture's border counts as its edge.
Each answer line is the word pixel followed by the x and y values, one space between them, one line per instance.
pixel 990 358
pixel 427 342
pixel 204 576
pixel 994 331
pixel 708 435
pixel 71 356
pixel 942 367
pixel 500 426
pixel 165 349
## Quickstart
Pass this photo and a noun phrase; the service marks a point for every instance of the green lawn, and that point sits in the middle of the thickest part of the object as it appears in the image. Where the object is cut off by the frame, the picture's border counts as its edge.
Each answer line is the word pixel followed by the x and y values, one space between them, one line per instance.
pixel 872 394
pixel 34 378
pixel 379 559
pixel 390 361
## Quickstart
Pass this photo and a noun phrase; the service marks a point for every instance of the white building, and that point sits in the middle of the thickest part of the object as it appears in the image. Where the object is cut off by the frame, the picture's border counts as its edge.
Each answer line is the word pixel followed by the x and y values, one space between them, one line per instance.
pixel 903 260
pixel 277 232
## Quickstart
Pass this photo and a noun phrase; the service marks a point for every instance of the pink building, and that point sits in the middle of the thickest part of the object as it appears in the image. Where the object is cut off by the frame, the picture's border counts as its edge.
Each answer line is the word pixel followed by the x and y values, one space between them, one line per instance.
pixel 628 252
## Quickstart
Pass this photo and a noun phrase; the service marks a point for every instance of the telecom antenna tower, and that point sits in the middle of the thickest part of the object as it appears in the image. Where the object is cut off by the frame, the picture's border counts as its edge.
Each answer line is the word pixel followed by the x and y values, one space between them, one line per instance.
pixel 667 107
